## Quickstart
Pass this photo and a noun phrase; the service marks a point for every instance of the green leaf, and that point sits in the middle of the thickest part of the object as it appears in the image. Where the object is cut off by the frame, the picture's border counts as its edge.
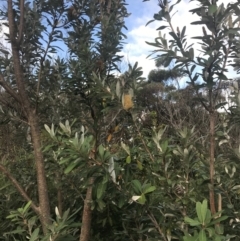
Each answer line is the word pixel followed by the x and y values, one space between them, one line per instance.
pixel 188 237
pixel 164 42
pixel 137 186
pixel 192 222
pixel 208 217
pixel 149 22
pixel 27 207
pixel 34 235
pixel 52 133
pixel 236 187
pixel 139 165
pixel 121 202
pixel 158 16
pixel 71 167
pixel 149 189
pixel 128 159
pixel 217 106
pixel 101 204
pixel 66 214
pixel 101 189
pixel 202 236
pixel 183 32
pixel 142 199
pixel 230 206
pixel 47 128
pixel 174 35
pixel 218 220
pixel 199 213
pixel 154 44
pixel 191 53
pixel 210 231
pixel 198 22
pixel 222 76
pixel 63 127
pixel 167 16
pixel 125 148
pixel 212 9
pixel 162 27
pixel 218 238
pixel 195 78
pixel 171 7
pixel 192 68
pixel 204 210
pixel 101 151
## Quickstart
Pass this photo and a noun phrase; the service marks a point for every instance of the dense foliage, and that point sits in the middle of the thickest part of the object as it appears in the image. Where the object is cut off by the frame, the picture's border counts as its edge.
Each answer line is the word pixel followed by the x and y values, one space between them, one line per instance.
pixel 88 154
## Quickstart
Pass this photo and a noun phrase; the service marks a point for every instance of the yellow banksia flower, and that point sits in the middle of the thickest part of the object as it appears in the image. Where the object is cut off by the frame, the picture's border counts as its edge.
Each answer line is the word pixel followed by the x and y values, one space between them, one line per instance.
pixel 116 128
pixel 109 138
pixel 127 102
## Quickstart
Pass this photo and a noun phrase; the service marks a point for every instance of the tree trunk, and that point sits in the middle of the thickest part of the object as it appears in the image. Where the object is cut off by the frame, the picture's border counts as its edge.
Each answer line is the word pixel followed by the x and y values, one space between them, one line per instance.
pixel 211 162
pixel 41 177
pixel 87 213
pixel 22 97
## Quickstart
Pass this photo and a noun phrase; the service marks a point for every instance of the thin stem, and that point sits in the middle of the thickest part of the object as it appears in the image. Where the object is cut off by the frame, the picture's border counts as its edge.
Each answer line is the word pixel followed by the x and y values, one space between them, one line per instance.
pixel 9 89
pixel 154 221
pixel 43 59
pixel 19 188
pixel 144 143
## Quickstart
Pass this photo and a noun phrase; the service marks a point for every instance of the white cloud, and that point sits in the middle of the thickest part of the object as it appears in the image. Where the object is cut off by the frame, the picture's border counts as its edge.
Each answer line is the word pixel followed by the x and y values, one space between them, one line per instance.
pixel 138 50
pixel 4 45
pixel 3 29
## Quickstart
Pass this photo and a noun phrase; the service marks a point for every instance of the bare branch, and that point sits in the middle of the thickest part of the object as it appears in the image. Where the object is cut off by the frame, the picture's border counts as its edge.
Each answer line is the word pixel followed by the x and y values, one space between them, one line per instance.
pixel 9 89
pixel 21 25
pixel 16 59
pixel 19 188
pixel 11 22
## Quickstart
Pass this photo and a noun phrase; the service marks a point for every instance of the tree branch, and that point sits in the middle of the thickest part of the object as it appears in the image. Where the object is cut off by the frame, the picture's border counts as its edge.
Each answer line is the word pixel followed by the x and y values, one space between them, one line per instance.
pixel 19 188
pixel 144 143
pixel 42 61
pixel 18 71
pixel 154 221
pixel 9 89
pixel 11 22
pixel 9 105
pixel 21 25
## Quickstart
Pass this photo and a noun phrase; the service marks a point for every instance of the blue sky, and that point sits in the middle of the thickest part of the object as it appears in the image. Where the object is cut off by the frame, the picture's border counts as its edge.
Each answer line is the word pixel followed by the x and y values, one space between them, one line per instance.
pixel 136 49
